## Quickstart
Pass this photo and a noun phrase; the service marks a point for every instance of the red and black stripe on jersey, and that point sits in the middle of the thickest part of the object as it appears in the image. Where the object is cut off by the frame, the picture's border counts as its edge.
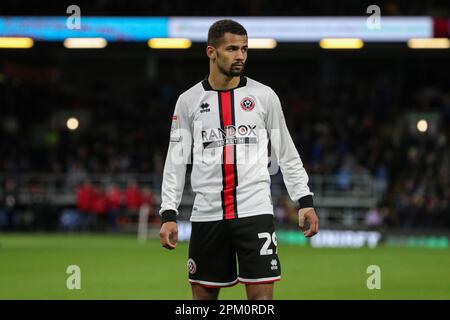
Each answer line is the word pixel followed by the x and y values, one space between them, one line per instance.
pixel 229 170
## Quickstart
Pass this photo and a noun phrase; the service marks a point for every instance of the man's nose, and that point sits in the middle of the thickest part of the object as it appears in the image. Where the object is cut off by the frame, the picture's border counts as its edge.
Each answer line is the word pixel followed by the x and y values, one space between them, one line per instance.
pixel 239 55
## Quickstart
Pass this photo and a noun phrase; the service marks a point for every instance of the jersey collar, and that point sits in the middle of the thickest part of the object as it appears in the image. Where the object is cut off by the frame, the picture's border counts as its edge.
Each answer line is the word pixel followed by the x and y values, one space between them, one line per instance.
pixel 207 86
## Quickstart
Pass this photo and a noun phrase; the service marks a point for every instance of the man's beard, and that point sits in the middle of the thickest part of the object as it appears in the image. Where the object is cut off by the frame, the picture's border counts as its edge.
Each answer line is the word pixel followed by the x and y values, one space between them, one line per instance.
pixel 231 72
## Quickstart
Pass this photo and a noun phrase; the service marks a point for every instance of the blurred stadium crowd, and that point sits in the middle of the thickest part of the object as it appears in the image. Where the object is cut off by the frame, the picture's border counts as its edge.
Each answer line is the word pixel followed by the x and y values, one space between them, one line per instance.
pixel 350 116
pixel 98 207
pixel 352 121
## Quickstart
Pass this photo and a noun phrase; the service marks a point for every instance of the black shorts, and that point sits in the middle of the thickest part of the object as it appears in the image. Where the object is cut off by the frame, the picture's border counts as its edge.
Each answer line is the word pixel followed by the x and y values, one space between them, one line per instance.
pixel 214 247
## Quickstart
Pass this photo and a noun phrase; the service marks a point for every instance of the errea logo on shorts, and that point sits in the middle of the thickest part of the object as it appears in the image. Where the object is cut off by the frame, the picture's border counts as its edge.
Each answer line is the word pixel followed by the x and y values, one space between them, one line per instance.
pixel 274 264
pixel 192 267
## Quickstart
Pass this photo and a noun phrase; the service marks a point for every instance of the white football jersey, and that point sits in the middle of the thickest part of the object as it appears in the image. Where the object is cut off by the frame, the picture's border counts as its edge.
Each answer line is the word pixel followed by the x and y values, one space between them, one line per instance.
pixel 225 135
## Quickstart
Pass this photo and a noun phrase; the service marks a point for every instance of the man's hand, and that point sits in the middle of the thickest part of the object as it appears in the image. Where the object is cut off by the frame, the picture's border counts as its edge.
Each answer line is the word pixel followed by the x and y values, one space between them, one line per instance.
pixel 169 235
pixel 308 214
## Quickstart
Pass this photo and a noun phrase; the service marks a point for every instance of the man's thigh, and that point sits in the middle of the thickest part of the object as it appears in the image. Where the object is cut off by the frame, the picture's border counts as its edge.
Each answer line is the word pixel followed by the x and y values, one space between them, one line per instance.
pixel 212 257
pixel 256 245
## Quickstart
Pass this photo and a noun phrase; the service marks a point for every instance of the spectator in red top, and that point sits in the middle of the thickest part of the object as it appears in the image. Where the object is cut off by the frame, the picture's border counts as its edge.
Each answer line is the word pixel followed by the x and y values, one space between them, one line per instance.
pixel 84 197
pixel 149 199
pixel 114 197
pixel 100 204
pixel 147 196
pixel 134 197
pixel 98 209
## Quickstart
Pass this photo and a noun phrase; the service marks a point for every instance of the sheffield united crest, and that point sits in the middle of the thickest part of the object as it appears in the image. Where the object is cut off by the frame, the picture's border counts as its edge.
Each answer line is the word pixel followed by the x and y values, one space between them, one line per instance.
pixel 248 104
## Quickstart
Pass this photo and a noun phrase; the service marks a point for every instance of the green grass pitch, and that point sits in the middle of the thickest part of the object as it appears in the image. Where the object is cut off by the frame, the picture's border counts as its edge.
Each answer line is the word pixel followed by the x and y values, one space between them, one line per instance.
pixel 33 266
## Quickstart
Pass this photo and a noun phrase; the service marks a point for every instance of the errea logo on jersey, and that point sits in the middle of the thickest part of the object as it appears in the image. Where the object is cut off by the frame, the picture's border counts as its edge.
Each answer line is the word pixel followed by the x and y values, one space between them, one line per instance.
pixel 248 104
pixel 204 107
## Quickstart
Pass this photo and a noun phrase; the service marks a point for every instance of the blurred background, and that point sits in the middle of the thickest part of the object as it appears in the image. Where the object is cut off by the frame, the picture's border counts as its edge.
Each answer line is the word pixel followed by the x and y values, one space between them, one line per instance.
pixel 84 131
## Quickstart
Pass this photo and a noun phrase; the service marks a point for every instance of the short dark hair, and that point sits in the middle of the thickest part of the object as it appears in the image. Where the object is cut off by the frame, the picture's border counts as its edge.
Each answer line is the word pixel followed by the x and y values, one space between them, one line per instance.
pixel 219 28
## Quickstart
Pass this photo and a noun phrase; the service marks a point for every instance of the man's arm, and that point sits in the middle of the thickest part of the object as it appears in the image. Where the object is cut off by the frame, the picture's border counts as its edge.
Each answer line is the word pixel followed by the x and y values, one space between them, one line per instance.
pixel 178 155
pixel 294 174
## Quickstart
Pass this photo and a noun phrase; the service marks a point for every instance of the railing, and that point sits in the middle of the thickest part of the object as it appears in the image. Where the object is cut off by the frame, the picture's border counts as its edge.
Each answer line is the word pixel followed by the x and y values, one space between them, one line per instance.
pixel 339 201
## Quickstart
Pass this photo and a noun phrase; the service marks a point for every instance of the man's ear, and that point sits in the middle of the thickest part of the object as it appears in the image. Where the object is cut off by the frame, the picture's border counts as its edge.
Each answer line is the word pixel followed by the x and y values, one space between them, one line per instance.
pixel 211 52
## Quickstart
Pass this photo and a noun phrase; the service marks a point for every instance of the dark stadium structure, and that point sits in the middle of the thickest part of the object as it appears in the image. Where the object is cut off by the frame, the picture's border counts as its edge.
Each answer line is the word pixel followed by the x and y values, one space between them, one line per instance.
pixel 349 113
pixel 230 7
pixel 353 115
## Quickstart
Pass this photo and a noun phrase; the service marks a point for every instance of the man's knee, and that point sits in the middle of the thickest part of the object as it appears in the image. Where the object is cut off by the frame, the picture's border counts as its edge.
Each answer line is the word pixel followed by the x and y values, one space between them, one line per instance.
pixel 260 292
pixel 200 292
pixel 260 296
